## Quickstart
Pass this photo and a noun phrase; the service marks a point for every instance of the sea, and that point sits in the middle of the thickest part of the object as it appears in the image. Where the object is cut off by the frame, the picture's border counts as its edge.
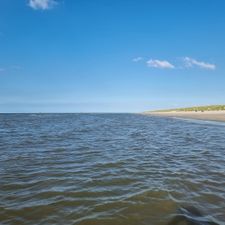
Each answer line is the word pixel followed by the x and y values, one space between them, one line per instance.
pixel 111 169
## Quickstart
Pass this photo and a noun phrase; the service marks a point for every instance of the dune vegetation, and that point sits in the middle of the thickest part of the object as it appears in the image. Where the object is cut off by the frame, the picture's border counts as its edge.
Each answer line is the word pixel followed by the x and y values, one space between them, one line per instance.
pixel 196 109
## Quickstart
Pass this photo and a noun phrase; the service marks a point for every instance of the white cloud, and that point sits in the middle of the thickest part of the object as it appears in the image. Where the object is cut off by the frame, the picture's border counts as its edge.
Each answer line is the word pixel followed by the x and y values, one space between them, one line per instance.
pixel 162 64
pixel 189 62
pixel 42 4
pixel 137 59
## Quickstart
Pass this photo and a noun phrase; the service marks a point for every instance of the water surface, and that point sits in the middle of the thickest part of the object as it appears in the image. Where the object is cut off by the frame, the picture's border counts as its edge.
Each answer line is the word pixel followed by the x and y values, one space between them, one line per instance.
pixel 109 169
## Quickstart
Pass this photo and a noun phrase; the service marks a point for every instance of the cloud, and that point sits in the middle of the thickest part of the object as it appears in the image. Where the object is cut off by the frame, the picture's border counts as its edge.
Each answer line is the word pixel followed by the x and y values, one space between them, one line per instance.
pixel 189 62
pixel 162 64
pixel 183 63
pixel 42 4
pixel 137 59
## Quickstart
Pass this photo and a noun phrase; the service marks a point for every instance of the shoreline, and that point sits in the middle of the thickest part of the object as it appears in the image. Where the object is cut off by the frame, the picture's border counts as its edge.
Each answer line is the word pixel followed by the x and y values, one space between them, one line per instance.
pixel 206 115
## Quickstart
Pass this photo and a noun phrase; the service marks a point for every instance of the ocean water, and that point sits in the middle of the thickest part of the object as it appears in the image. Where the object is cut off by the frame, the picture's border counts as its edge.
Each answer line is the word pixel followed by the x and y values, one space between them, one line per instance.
pixel 110 169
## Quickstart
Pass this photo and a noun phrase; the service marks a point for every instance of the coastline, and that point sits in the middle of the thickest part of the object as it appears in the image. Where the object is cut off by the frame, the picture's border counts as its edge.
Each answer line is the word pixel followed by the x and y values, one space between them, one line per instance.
pixel 206 115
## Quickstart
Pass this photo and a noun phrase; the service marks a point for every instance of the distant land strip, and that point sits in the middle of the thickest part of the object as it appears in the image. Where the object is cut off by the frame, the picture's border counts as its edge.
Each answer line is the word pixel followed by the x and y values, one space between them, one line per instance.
pixel 194 109
pixel 210 112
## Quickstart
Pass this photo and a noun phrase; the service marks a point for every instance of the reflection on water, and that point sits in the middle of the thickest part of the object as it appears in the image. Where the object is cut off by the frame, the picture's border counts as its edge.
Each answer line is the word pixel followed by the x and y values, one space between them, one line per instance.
pixel 109 169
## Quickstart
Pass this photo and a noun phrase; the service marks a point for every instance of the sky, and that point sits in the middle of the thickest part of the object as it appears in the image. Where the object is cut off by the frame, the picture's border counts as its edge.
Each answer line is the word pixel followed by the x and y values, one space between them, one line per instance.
pixel 111 55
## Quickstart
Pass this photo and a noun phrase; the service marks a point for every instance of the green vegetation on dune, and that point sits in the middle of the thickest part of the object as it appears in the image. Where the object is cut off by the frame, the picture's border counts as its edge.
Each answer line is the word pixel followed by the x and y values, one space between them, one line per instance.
pixel 196 109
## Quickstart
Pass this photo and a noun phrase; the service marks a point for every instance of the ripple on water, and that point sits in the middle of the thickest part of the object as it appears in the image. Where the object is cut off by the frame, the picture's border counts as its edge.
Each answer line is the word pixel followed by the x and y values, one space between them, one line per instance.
pixel 109 169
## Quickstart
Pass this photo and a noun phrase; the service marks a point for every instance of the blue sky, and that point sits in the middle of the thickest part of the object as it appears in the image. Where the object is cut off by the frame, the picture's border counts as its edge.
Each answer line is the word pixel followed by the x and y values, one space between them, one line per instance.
pixel 110 55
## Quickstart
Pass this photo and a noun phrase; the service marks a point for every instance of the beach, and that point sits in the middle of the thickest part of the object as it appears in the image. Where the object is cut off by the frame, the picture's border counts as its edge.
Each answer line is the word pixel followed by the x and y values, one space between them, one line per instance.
pixel 206 115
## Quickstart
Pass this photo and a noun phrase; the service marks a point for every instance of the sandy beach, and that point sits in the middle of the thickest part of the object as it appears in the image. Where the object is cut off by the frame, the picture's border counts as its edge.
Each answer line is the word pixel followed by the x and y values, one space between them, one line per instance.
pixel 206 115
